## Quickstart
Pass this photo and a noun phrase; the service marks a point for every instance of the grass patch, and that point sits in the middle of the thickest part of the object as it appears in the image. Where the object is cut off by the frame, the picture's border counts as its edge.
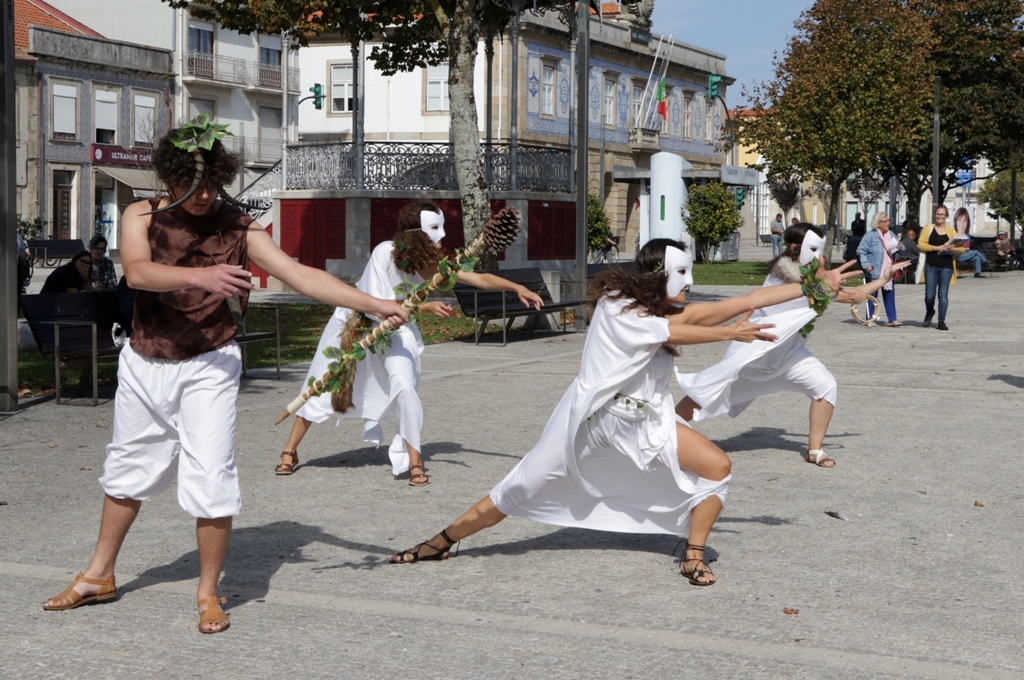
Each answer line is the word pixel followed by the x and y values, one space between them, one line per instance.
pixel 730 273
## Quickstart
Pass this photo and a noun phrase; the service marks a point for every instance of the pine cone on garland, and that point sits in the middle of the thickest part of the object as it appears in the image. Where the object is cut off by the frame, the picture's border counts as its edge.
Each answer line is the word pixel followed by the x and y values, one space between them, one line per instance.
pixel 501 230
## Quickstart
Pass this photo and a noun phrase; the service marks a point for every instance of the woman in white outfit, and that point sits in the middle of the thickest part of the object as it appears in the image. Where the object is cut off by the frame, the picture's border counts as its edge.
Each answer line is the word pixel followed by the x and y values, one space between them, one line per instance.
pixel 613 456
pixel 385 386
pixel 749 371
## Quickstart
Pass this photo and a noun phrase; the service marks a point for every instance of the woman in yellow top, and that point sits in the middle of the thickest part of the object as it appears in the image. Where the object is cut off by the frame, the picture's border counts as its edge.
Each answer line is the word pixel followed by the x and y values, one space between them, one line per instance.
pixel 937 244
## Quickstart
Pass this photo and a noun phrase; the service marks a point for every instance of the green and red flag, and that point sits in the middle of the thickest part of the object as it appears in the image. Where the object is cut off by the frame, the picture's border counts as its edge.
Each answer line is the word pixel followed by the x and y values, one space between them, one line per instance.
pixel 662 102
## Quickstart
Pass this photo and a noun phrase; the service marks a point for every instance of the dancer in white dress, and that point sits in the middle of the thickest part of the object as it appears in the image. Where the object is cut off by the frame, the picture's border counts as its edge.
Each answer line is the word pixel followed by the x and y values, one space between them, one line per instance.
pixel 613 456
pixel 749 371
pixel 385 385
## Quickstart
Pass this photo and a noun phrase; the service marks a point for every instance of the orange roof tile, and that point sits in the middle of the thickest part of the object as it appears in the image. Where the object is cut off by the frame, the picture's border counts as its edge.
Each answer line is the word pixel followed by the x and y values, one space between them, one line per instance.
pixel 38 13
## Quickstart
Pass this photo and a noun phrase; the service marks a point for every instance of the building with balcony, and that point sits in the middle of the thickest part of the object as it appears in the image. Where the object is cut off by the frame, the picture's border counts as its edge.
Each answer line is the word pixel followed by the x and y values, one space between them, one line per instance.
pixel 88 112
pixel 406 152
pixel 236 79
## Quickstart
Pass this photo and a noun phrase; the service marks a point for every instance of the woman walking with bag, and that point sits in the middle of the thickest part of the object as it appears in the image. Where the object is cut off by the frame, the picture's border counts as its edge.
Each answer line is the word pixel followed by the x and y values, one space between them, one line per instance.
pixel 876 253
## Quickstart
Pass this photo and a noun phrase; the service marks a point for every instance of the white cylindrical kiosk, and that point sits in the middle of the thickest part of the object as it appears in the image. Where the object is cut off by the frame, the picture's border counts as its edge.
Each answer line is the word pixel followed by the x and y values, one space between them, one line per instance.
pixel 667 197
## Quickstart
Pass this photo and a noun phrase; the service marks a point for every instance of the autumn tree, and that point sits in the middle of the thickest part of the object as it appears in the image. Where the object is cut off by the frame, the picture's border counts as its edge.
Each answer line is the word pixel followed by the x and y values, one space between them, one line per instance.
pixel 852 80
pixel 785 191
pixel 996 193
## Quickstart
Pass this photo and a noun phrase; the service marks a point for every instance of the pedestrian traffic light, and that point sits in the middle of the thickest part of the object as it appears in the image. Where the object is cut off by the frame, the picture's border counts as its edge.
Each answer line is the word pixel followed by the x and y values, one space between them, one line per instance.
pixel 713 82
pixel 740 196
pixel 318 95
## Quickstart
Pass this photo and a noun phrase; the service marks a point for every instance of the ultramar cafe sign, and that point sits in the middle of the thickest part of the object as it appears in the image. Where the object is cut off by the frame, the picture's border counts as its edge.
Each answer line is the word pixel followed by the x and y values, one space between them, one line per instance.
pixel 117 155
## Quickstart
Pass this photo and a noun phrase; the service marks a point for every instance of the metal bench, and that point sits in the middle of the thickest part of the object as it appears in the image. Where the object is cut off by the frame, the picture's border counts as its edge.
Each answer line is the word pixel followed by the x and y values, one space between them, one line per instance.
pixel 74 326
pixel 49 253
pixel 484 306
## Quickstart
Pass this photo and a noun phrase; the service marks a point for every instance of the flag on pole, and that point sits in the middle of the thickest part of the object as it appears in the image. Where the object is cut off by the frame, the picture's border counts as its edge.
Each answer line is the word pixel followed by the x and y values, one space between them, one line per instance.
pixel 662 103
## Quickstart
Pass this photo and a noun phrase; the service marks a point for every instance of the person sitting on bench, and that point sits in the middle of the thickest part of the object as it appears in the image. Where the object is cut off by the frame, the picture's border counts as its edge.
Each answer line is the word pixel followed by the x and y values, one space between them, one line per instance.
pixel 72 277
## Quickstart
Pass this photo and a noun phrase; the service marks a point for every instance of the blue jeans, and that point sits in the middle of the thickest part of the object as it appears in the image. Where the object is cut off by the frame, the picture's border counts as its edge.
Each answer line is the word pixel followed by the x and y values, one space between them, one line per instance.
pixel 974 256
pixel 936 278
pixel 776 245
pixel 888 298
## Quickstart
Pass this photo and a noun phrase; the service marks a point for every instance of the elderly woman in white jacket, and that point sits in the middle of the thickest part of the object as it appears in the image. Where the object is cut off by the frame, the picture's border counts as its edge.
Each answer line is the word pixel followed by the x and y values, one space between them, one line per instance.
pixel 876 253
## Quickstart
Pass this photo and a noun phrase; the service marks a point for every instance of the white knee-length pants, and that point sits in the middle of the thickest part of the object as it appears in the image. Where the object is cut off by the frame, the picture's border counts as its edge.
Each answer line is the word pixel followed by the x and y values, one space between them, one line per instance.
pixel 176 420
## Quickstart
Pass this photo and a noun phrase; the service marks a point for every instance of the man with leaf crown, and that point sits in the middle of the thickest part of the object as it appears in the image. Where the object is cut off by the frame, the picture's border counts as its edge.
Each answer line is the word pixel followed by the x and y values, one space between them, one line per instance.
pixel 187 255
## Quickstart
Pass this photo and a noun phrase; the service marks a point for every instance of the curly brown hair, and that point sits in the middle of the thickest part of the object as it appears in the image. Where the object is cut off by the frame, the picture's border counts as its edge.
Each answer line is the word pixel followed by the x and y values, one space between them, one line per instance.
pixel 645 286
pixel 175 168
pixel 413 249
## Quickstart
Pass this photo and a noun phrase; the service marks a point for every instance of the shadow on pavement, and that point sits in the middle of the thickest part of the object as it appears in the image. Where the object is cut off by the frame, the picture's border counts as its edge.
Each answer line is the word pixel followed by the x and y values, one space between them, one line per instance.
pixel 1011 380
pixel 378 456
pixel 775 438
pixel 254 556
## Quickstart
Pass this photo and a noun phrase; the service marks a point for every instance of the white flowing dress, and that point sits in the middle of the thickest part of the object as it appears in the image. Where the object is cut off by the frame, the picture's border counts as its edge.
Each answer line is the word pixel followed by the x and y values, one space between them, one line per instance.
pixel 385 386
pixel 755 369
pixel 603 462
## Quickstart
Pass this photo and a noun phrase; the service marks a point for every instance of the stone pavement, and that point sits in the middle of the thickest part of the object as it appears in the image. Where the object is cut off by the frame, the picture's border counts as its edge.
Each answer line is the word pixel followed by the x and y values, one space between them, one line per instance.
pixel 921 580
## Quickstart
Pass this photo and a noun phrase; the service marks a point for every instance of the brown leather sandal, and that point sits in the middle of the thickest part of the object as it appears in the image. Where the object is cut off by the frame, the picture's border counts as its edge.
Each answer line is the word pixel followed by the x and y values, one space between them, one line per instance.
pixel 425 479
pixel 288 468
pixel 70 598
pixel 210 612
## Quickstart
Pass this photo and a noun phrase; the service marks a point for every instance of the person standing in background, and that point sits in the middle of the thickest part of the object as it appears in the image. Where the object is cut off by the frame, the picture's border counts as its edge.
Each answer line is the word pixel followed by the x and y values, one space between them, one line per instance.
pixel 876 253
pixel 778 228
pixel 936 242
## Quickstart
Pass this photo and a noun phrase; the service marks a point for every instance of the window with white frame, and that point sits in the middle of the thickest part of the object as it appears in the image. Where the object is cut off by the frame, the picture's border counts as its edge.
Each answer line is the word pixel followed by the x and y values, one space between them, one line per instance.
pixel 198 106
pixel 437 88
pixel 687 116
pixel 105 116
pixel 638 102
pixel 547 92
pixel 342 94
pixel 143 119
pixel 65 111
pixel 708 132
pixel 200 40
pixel 609 102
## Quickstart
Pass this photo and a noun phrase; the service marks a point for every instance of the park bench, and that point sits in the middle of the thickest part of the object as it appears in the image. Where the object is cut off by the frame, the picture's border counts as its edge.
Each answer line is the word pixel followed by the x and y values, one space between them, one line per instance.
pixel 484 306
pixel 73 327
pixel 49 253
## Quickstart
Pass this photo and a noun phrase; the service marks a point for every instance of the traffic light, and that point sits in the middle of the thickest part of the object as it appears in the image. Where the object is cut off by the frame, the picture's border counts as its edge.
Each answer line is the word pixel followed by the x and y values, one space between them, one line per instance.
pixel 318 95
pixel 740 196
pixel 713 82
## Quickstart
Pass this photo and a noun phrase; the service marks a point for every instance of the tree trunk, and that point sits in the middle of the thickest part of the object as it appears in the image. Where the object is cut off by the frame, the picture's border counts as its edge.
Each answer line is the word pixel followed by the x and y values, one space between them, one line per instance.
pixel 463 41
pixel 832 218
pixel 914 193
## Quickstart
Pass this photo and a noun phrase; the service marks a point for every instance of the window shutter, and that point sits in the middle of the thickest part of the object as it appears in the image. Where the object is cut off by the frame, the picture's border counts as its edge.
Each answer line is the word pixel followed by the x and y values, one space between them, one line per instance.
pixel 64 97
pixel 290 227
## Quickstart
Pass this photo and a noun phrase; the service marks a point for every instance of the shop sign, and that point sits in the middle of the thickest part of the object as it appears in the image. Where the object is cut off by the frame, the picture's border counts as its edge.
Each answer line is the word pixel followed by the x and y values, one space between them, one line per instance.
pixel 102 153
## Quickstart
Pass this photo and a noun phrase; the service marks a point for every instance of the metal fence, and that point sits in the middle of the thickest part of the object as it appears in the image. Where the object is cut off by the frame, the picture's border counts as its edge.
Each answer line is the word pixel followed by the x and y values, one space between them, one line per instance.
pixel 256 150
pixel 239 71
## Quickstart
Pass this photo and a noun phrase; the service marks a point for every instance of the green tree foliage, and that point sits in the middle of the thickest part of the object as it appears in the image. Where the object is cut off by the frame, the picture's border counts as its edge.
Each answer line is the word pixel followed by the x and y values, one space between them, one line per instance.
pixel 598 227
pixel 978 51
pixel 852 80
pixel 711 217
pixel 996 193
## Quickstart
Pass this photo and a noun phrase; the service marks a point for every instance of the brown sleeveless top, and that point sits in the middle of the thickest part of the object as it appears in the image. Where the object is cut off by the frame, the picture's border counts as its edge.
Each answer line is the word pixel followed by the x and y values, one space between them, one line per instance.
pixel 181 324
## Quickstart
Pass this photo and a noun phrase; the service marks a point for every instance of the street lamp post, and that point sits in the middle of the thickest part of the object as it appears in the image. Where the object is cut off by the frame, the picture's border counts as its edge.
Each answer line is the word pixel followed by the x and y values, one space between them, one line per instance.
pixel 8 238
pixel 582 148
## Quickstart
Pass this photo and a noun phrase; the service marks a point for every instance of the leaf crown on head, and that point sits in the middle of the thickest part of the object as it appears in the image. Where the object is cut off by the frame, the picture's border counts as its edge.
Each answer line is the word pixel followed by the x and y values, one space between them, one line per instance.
pixel 200 133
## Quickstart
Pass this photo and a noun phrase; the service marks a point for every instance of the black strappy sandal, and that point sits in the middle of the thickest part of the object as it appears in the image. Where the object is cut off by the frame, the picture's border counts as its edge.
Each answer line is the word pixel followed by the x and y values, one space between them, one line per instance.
pixel 696 573
pixel 414 552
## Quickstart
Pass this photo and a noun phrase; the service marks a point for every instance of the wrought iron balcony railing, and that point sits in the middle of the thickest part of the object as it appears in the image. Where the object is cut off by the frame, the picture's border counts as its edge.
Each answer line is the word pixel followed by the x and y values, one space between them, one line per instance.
pixel 255 150
pixel 234 71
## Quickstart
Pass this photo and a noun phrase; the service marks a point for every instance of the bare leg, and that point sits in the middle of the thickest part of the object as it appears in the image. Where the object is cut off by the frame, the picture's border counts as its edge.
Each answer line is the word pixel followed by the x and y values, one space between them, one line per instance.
pixel 700 455
pixel 212 537
pixel 290 454
pixel 685 409
pixel 820 416
pixel 118 515
pixel 481 516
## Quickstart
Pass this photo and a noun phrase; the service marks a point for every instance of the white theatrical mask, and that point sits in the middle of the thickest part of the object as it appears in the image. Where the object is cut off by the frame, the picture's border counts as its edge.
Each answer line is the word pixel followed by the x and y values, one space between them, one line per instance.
pixel 811 247
pixel 679 267
pixel 432 224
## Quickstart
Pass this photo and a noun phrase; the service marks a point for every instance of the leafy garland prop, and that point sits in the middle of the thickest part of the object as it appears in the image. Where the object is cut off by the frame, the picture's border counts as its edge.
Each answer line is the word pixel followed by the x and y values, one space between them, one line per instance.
pixel 817 291
pixel 499 233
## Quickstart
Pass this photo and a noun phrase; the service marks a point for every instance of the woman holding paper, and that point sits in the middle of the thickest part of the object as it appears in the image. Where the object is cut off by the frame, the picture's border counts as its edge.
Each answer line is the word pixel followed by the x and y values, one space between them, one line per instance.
pixel 937 242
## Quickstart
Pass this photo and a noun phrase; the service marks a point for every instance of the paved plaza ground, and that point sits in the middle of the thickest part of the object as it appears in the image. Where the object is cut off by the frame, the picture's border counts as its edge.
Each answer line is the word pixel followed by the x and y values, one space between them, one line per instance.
pixel 922 579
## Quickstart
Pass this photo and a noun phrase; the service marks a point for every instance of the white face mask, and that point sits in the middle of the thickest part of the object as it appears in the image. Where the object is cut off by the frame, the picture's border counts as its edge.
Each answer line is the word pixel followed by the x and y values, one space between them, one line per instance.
pixel 432 224
pixel 811 247
pixel 679 267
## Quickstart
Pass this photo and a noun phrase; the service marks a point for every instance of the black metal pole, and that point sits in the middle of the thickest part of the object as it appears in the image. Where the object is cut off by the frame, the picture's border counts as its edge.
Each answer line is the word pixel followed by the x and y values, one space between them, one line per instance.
pixel 489 127
pixel 582 150
pixel 514 127
pixel 357 114
pixel 1013 205
pixel 8 240
pixel 936 170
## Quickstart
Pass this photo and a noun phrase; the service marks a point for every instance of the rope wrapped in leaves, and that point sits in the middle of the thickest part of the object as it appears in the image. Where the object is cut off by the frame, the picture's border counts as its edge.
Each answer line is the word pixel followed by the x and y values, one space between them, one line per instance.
pixel 818 293
pixel 499 233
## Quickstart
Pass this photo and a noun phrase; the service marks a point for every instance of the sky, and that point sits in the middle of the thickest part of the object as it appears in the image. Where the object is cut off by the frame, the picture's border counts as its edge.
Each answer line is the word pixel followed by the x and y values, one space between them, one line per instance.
pixel 747 32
